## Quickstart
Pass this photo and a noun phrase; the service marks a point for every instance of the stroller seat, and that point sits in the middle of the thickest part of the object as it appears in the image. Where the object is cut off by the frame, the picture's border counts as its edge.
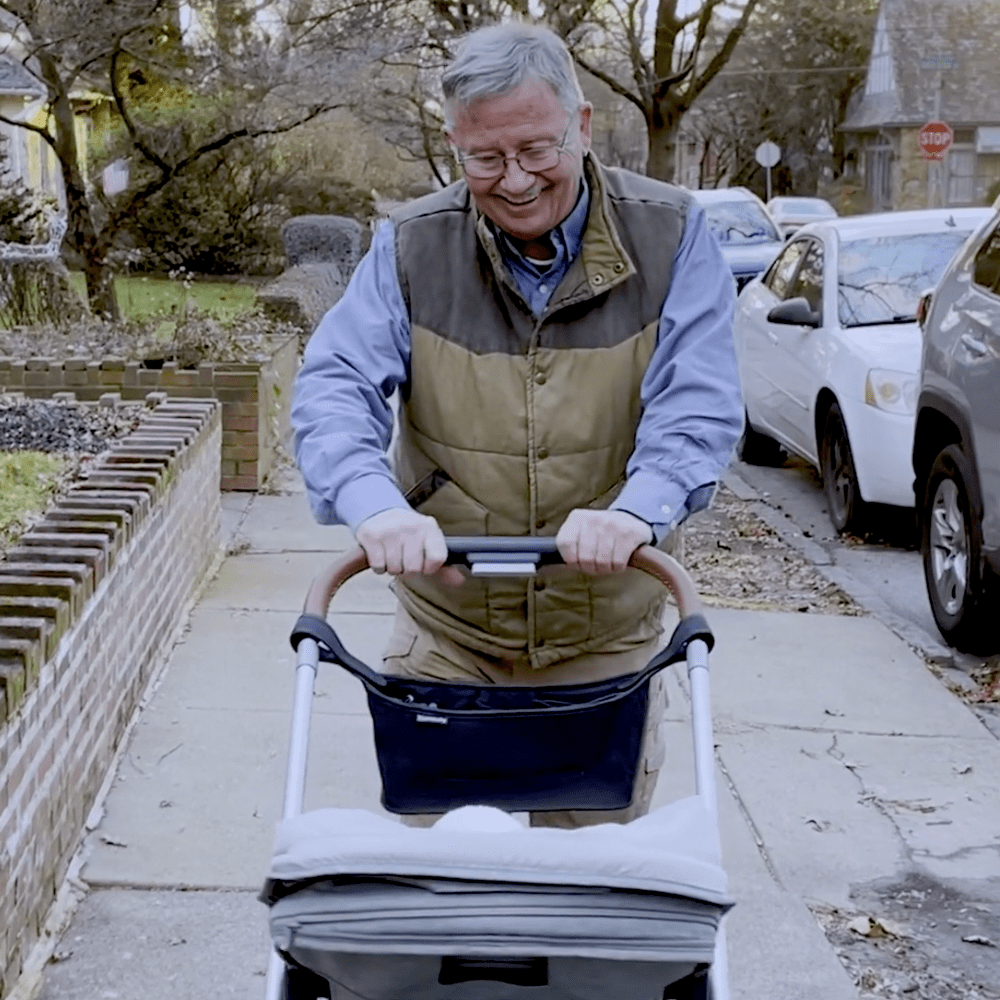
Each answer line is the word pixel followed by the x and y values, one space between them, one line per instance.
pixel 479 907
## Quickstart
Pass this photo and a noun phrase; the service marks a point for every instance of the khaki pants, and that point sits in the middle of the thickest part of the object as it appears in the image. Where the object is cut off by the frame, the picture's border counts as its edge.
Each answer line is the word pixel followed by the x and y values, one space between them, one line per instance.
pixel 417 652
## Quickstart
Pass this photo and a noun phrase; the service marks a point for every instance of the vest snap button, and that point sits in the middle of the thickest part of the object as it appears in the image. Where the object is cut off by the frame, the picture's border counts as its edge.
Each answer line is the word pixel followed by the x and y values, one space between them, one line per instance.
pixel 539 586
pixel 543 453
pixel 540 523
pixel 597 279
pixel 541 378
pixel 619 267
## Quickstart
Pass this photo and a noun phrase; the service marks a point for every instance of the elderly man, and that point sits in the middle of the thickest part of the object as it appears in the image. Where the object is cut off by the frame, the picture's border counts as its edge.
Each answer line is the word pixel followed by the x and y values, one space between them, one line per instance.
pixel 561 337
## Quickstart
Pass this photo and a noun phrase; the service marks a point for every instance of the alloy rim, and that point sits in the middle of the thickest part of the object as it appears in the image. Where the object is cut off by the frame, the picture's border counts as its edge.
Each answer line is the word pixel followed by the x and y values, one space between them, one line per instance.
pixel 949 547
pixel 841 478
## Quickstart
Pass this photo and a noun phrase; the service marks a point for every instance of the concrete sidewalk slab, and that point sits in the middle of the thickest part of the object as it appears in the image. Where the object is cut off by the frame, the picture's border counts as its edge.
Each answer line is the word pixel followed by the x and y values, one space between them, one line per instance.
pixel 285 524
pixel 832 672
pixel 280 582
pixel 136 945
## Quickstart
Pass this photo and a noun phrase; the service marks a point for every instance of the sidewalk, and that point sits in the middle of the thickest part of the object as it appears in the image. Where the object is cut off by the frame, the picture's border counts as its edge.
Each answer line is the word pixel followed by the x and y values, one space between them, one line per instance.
pixel 845 763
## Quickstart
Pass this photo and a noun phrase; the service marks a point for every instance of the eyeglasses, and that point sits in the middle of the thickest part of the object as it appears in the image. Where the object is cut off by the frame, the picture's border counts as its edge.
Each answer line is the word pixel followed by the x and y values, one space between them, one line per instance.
pixel 533 160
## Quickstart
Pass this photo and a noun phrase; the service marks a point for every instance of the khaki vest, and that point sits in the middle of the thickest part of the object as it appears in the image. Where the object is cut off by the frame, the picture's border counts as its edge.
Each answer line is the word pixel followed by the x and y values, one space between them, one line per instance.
pixel 508 422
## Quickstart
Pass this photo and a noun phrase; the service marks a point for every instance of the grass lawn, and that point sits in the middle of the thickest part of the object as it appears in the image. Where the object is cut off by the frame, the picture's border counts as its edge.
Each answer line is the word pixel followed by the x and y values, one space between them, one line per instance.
pixel 143 297
pixel 28 481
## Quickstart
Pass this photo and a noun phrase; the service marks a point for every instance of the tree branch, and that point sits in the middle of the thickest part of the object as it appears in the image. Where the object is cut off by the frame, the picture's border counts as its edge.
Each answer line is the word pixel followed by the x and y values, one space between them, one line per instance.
pixel 610 81
pixel 37 129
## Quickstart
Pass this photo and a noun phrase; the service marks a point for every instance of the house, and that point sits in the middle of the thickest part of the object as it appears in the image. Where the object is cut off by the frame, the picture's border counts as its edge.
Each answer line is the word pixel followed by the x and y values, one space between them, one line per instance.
pixel 28 156
pixel 932 60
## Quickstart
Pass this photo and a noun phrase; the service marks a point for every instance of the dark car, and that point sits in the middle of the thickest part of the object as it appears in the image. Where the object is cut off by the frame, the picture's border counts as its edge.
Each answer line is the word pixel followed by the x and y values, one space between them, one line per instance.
pixel 956 449
pixel 746 233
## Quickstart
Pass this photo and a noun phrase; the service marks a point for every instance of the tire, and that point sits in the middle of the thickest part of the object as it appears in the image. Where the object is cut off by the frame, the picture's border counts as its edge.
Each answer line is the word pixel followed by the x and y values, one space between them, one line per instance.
pixel 757 448
pixel 848 510
pixel 961 587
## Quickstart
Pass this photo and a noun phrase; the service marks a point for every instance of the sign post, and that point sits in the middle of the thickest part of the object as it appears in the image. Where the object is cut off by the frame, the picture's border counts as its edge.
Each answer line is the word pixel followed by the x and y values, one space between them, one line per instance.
pixel 767 155
pixel 934 139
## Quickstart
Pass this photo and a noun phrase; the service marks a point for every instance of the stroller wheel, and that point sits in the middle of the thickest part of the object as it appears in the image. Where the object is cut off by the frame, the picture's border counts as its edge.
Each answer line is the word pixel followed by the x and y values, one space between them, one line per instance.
pixel 693 987
pixel 301 984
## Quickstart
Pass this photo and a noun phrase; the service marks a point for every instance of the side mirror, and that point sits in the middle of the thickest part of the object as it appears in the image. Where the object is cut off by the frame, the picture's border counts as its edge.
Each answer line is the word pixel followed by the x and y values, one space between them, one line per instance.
pixel 924 306
pixel 794 312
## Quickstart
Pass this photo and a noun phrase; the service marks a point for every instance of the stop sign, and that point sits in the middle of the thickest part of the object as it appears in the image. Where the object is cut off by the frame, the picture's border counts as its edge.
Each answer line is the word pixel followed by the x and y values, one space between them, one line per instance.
pixel 935 139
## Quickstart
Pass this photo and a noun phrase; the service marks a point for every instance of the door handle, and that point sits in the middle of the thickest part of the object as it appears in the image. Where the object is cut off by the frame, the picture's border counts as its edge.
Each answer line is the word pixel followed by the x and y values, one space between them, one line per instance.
pixel 972 345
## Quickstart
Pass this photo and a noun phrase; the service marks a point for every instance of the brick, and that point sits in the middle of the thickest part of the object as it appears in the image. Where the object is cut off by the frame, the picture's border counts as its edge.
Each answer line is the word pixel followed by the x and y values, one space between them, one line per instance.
pixel 239 483
pixel 35 630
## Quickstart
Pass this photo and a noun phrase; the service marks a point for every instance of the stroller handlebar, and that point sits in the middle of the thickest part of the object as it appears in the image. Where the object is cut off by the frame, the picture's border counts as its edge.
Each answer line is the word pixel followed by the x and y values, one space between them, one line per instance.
pixel 506 556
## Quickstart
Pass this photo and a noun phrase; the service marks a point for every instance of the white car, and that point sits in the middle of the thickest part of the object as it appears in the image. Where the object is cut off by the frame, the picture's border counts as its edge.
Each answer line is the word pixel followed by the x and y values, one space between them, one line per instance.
pixel 747 235
pixel 792 212
pixel 829 351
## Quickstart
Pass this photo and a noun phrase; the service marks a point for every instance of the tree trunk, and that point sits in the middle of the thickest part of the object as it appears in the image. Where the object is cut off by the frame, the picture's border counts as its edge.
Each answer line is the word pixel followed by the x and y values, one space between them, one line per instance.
pixel 81 232
pixel 662 129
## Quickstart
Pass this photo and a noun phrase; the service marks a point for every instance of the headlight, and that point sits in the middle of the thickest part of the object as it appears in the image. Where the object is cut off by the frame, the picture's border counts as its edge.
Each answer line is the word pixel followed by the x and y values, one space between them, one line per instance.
pixel 894 392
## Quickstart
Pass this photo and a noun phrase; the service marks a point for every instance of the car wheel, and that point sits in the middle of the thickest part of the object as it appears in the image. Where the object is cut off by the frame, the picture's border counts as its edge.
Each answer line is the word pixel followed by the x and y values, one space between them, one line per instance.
pixel 756 448
pixel 961 587
pixel 848 510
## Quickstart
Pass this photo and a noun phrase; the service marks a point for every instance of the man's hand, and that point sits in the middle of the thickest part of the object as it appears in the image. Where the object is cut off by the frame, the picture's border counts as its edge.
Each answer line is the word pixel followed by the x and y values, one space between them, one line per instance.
pixel 399 541
pixel 601 541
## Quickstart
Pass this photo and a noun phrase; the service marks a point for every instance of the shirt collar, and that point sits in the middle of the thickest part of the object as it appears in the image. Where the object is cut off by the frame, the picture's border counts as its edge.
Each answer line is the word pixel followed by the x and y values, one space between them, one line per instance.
pixel 568 235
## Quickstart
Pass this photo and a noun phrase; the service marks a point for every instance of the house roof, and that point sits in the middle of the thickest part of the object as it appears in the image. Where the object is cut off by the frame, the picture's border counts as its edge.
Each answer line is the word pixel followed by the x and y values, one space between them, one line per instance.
pixel 961 37
pixel 15 79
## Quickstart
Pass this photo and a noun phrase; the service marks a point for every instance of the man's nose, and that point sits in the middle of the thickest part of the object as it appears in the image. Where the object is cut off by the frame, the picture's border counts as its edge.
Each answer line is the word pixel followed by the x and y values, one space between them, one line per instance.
pixel 515 178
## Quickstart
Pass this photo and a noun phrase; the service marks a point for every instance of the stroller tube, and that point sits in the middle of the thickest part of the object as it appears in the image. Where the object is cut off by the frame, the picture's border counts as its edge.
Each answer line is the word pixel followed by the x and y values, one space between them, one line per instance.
pixel 657 564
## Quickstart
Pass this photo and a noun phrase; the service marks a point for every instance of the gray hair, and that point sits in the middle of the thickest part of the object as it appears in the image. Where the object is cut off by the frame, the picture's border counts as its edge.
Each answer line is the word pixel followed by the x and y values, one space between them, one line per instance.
pixel 498 59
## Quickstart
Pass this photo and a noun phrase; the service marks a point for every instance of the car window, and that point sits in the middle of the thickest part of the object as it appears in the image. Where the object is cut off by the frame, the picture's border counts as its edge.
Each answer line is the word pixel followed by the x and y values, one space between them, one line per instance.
pixel 782 271
pixel 808 283
pixel 880 279
pixel 740 223
pixel 986 269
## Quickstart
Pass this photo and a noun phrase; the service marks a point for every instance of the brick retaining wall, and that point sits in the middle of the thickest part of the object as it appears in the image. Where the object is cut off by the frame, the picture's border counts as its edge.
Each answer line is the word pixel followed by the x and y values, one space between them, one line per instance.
pixel 255 397
pixel 90 599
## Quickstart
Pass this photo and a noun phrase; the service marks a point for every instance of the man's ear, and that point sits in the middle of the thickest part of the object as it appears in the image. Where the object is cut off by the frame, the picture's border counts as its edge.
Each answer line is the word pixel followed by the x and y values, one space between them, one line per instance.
pixel 586 116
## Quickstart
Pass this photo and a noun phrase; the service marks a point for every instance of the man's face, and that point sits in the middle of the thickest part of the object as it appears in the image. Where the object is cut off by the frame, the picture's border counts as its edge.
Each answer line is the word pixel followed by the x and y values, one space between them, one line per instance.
pixel 524 204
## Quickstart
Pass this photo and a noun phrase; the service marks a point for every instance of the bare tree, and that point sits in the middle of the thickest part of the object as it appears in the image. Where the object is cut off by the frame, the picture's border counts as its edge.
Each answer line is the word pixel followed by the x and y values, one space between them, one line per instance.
pixel 178 88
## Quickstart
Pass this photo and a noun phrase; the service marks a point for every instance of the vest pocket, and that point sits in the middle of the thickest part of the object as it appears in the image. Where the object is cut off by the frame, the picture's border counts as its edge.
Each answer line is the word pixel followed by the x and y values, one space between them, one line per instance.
pixel 454 510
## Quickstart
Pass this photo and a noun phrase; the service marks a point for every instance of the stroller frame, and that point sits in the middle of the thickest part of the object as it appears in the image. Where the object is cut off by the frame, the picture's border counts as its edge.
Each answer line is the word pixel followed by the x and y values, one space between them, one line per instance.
pixel 501 556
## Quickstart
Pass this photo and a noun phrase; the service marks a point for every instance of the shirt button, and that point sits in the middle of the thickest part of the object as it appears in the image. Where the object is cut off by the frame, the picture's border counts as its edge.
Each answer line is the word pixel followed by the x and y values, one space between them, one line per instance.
pixel 543 453
pixel 543 288
pixel 541 378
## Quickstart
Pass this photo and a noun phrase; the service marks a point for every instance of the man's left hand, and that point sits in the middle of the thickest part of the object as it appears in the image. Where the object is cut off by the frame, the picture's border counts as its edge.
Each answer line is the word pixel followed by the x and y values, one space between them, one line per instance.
pixel 601 541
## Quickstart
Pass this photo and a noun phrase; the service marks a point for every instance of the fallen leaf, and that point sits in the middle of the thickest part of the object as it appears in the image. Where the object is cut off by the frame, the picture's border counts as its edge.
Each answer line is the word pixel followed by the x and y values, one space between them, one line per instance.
pixel 978 939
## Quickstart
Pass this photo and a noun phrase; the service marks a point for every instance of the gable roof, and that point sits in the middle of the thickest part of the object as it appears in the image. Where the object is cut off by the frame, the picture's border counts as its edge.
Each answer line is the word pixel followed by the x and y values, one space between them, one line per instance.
pixel 910 37
pixel 15 79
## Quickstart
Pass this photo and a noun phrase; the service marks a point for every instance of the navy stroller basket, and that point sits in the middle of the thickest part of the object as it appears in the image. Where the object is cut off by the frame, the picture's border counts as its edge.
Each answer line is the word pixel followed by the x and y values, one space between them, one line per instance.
pixel 441 747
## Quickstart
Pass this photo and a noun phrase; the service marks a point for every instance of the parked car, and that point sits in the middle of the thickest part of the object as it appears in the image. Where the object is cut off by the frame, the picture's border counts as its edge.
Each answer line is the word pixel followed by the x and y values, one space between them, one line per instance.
pixel 956 446
pixel 829 351
pixel 792 213
pixel 749 237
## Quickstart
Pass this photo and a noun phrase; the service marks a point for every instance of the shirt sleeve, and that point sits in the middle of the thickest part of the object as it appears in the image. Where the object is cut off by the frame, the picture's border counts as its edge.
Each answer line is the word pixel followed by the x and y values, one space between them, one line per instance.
pixel 692 404
pixel 341 412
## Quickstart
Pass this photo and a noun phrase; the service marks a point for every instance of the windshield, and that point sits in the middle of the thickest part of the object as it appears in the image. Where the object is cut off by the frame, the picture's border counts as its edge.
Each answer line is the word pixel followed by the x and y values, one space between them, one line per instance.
pixel 740 223
pixel 880 279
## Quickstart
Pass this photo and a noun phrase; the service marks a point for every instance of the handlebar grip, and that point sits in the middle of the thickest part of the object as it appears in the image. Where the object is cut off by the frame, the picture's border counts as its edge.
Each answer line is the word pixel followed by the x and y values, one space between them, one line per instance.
pixel 525 552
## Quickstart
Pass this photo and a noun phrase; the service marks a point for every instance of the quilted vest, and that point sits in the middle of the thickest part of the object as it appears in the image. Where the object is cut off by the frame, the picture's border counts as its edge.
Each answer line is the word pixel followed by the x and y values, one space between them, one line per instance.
pixel 509 421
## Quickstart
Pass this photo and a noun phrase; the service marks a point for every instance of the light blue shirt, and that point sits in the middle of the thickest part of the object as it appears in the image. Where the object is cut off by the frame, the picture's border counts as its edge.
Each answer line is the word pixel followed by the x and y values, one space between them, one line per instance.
pixel 360 353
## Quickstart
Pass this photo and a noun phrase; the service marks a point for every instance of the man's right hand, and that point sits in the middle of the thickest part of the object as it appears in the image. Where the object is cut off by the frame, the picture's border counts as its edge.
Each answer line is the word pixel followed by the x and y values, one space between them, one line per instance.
pixel 399 541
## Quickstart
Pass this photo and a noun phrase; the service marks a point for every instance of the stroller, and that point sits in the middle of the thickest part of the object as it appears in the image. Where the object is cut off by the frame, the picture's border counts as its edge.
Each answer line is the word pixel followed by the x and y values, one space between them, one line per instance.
pixel 478 907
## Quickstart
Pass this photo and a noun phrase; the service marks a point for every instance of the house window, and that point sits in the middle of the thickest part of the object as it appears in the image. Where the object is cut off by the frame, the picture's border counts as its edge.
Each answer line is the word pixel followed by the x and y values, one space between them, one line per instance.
pixel 878 174
pixel 961 166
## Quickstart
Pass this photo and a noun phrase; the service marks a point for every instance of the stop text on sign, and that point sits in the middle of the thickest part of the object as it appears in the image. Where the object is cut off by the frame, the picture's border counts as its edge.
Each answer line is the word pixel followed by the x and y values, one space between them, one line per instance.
pixel 935 139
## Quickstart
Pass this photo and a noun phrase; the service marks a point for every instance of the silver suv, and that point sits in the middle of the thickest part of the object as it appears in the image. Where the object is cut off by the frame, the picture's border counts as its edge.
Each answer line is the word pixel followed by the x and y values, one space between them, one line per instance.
pixel 956 450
